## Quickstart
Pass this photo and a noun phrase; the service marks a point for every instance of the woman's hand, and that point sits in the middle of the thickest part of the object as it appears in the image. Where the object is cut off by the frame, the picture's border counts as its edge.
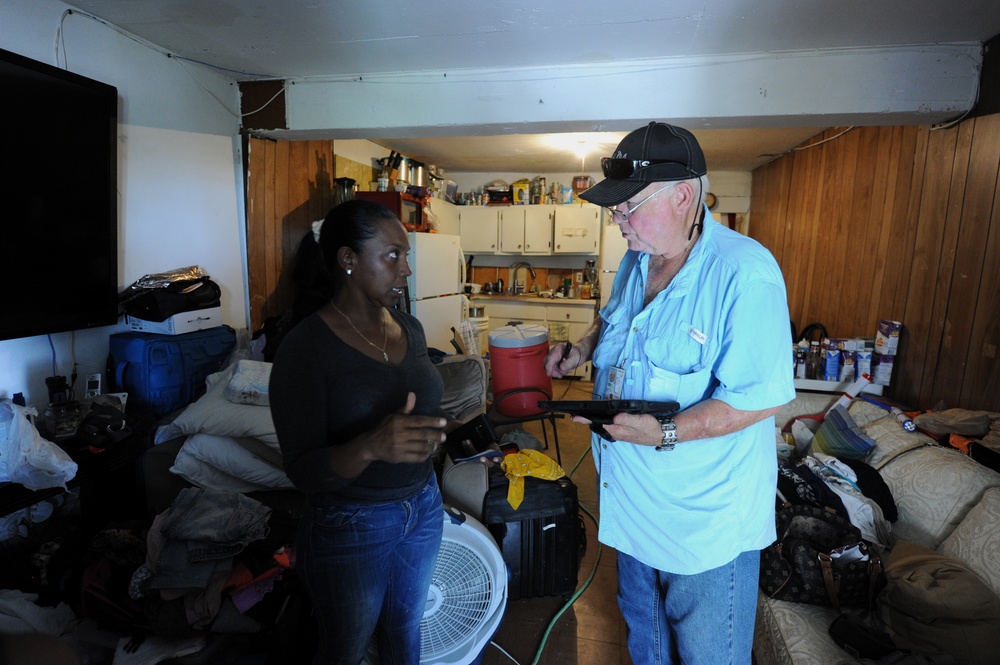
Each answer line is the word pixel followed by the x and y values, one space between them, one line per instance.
pixel 407 438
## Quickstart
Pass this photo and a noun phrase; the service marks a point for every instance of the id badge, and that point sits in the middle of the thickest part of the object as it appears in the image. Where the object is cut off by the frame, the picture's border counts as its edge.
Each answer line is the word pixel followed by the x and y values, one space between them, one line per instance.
pixel 616 379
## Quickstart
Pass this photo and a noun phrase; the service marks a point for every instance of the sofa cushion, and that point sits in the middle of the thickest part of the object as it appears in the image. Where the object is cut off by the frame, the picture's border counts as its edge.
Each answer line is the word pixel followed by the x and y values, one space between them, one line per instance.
pixel 465 382
pixel 934 488
pixel 865 412
pixel 805 403
pixel 976 541
pixel 891 440
pixel 787 632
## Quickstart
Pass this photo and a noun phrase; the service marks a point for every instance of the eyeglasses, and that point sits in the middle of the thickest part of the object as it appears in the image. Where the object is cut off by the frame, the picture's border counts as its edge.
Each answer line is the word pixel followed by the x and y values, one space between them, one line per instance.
pixel 619 169
pixel 620 216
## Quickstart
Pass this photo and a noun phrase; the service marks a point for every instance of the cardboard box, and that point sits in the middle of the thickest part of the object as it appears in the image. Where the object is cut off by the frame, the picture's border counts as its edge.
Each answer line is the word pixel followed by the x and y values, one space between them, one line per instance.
pixel 520 193
pixel 887 337
pixel 882 368
pixel 178 324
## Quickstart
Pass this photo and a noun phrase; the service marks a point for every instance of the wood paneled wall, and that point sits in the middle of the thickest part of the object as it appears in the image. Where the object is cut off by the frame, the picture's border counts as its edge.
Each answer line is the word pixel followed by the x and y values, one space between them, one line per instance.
pixel 289 185
pixel 896 223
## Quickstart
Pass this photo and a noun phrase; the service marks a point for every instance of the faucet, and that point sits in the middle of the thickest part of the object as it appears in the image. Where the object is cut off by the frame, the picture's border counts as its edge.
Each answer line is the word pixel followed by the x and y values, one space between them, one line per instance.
pixel 513 276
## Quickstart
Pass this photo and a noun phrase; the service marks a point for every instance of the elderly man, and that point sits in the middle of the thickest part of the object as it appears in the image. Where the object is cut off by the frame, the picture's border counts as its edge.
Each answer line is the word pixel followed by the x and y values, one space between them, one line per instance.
pixel 697 315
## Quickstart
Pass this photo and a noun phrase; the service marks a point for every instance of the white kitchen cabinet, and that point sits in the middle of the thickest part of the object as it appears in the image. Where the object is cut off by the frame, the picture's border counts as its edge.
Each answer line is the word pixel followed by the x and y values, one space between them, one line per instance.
pixel 479 229
pixel 512 230
pixel 526 230
pixel 501 312
pixel 538 229
pixel 446 214
pixel 570 322
pixel 576 229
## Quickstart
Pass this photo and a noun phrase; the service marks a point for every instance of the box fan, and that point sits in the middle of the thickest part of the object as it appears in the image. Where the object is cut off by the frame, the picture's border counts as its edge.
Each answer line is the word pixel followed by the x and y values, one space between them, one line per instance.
pixel 467 597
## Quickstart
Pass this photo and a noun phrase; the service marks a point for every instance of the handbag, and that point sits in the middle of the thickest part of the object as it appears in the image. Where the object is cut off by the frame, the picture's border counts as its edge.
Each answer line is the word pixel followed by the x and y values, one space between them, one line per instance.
pixel 821 559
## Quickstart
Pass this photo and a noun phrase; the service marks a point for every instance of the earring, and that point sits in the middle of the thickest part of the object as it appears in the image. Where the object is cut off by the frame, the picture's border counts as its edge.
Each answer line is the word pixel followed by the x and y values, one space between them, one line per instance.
pixel 348 271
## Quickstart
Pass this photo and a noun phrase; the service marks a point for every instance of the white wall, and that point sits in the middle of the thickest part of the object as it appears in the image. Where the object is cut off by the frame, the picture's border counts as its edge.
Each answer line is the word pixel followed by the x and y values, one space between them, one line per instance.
pixel 180 176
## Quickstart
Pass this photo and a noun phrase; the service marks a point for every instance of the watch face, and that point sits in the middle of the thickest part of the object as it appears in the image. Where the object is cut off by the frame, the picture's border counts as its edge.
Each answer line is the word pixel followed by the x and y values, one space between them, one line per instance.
pixel 710 200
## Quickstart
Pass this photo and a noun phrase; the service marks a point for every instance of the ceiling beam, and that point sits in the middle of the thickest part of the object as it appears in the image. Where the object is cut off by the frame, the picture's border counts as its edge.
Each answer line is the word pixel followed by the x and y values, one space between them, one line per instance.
pixel 914 85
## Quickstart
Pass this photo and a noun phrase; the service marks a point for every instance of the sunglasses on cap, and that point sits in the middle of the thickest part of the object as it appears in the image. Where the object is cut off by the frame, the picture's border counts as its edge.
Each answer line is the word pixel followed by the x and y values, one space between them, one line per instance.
pixel 620 169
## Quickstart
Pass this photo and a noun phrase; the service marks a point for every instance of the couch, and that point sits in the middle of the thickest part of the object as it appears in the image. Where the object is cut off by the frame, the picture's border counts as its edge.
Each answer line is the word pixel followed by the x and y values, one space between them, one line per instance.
pixel 946 501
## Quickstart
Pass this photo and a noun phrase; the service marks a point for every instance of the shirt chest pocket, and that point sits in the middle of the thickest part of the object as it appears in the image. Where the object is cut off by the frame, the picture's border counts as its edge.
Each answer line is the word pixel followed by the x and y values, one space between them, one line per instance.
pixel 614 332
pixel 678 364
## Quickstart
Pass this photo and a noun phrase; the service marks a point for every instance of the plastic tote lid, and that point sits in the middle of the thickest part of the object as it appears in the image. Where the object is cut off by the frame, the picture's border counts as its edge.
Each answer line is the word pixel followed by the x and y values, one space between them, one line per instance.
pixel 515 337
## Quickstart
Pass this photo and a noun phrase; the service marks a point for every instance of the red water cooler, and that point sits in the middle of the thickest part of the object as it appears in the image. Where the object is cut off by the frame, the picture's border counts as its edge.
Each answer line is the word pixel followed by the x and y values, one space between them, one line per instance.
pixel 517 369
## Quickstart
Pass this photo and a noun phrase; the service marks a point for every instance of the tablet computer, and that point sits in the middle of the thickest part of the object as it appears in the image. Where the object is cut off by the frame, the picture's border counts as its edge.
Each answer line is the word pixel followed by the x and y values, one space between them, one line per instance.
pixel 601 412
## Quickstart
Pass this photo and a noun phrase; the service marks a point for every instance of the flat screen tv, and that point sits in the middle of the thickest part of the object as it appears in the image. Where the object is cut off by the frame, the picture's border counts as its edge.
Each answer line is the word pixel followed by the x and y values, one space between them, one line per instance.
pixel 58 205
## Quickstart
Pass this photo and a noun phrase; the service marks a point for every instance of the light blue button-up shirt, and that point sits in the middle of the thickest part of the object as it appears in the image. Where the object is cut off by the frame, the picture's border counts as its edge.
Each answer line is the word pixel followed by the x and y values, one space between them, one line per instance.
pixel 719 330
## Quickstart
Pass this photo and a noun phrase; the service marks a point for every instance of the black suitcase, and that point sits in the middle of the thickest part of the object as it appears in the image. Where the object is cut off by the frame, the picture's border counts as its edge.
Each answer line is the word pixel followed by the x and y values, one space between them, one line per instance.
pixel 542 541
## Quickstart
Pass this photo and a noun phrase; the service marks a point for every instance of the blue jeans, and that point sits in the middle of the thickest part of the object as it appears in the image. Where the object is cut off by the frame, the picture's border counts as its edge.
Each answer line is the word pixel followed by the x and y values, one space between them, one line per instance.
pixel 368 568
pixel 702 619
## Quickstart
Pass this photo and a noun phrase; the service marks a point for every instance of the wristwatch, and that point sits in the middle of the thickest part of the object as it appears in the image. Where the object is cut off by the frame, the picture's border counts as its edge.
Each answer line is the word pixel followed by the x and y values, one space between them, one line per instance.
pixel 669 430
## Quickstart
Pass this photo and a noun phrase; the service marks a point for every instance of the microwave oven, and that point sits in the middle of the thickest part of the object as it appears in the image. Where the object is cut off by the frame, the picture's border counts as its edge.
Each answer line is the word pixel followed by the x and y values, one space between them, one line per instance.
pixel 409 209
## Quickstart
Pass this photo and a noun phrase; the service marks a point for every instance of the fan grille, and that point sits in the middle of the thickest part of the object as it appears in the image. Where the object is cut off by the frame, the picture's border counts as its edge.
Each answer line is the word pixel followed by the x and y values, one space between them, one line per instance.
pixel 465 588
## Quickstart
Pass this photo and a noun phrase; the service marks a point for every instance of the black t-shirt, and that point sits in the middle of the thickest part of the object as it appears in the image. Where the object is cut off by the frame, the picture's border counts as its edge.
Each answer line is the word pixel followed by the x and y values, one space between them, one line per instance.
pixel 324 392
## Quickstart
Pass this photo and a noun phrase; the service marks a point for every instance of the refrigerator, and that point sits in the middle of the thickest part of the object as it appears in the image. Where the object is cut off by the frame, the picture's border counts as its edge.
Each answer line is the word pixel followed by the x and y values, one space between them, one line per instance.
pixel 613 247
pixel 434 292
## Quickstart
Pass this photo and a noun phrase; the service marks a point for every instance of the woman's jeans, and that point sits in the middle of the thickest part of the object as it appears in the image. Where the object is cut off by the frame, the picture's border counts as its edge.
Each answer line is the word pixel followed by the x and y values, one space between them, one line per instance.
pixel 702 619
pixel 369 566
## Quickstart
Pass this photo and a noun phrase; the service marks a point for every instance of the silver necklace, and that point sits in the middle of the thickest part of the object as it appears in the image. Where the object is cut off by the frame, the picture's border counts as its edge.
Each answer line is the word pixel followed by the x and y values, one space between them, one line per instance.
pixel 385 333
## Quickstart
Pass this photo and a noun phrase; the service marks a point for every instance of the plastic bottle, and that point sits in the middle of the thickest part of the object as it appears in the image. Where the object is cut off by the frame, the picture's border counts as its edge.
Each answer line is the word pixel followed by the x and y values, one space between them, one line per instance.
pixel 814 363
pixel 800 352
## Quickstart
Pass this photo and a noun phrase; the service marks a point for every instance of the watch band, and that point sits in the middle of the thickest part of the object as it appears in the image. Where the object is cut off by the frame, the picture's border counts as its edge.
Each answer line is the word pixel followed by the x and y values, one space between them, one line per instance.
pixel 669 430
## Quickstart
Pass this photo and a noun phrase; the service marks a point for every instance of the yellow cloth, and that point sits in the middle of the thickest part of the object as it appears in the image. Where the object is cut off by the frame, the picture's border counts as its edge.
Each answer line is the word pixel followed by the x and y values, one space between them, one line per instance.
pixel 528 462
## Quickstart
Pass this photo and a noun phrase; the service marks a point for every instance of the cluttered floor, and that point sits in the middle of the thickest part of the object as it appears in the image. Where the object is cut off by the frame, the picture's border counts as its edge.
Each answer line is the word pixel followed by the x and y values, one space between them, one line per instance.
pixel 590 631
pixel 586 629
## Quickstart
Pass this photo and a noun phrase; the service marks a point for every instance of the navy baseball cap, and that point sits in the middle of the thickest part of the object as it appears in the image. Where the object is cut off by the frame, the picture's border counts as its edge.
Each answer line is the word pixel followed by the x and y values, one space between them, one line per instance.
pixel 657 152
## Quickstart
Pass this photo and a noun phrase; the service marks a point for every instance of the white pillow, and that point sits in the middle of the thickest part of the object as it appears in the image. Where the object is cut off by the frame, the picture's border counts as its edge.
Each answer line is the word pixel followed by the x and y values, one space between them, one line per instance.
pixel 213 413
pixel 200 474
pixel 245 459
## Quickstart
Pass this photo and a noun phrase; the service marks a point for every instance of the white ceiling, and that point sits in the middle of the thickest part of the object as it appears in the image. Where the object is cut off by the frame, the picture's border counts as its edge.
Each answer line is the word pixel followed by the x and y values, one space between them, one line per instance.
pixel 308 39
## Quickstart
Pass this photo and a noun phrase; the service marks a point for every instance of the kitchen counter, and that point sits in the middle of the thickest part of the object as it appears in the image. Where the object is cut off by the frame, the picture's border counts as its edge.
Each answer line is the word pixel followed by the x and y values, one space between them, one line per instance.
pixel 533 297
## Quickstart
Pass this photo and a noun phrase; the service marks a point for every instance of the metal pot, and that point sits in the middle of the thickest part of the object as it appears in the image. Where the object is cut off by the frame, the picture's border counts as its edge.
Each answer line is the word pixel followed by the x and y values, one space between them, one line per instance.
pixel 403 172
pixel 476 311
pixel 418 175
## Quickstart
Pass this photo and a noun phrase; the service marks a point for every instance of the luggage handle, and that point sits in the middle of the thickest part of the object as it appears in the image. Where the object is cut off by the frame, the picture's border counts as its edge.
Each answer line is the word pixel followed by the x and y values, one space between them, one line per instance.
pixel 120 375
